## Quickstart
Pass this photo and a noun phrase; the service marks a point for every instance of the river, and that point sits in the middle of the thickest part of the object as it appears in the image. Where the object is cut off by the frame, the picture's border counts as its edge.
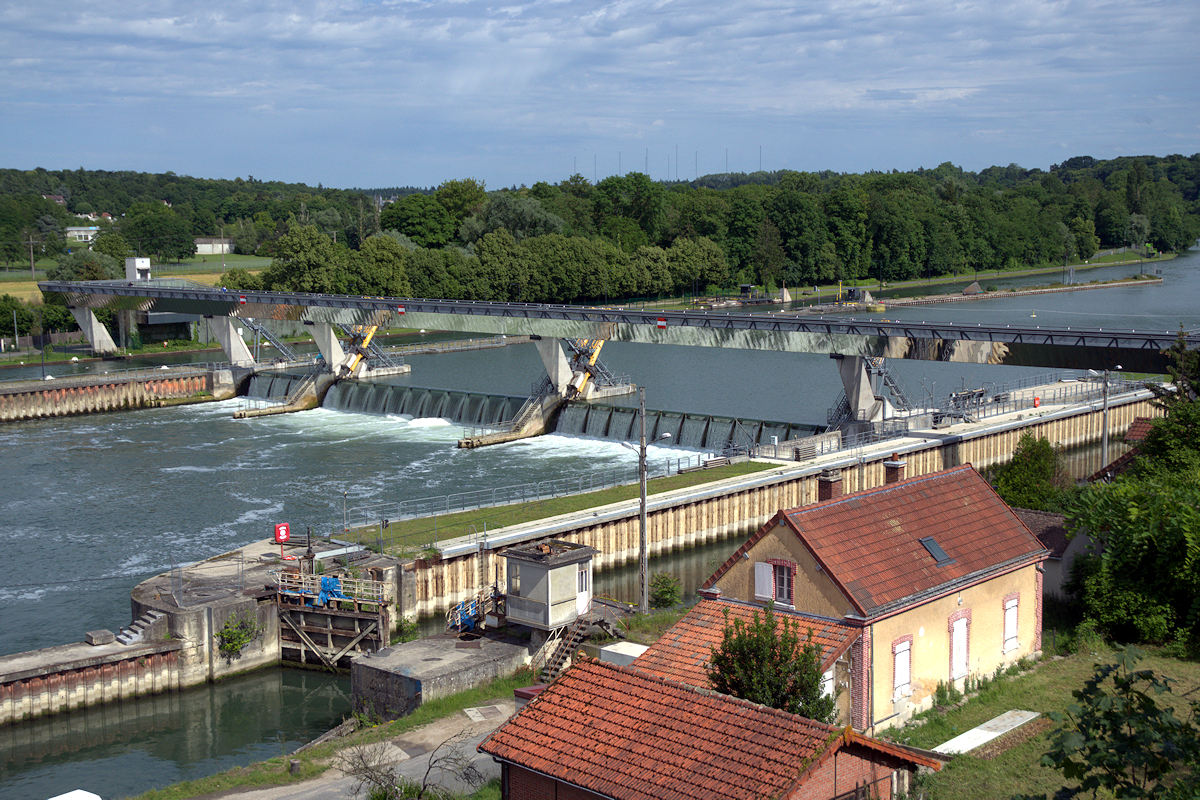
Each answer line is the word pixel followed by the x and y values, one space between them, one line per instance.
pixel 96 504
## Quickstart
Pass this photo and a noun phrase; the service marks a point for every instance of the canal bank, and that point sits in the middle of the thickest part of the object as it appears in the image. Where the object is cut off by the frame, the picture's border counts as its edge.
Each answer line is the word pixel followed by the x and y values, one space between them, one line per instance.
pixel 185 619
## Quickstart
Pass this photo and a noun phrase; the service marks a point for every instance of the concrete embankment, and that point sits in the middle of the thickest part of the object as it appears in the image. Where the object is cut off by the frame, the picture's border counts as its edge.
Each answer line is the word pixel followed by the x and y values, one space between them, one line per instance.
pixel 117 391
pixel 959 298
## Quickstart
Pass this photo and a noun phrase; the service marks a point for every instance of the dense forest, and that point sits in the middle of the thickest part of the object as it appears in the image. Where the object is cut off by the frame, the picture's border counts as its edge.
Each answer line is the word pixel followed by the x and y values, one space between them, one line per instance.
pixel 625 236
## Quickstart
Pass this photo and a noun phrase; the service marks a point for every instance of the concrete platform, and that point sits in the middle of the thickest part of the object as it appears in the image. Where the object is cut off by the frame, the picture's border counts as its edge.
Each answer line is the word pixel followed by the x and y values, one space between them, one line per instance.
pixel 396 680
pixel 981 735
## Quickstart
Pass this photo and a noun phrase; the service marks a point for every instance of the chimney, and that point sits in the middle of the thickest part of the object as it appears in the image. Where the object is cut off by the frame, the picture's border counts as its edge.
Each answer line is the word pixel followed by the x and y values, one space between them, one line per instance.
pixel 710 593
pixel 893 470
pixel 829 484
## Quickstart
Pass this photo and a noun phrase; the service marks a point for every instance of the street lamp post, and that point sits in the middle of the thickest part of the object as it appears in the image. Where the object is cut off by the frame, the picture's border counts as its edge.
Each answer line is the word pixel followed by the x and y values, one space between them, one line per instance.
pixel 1104 424
pixel 643 547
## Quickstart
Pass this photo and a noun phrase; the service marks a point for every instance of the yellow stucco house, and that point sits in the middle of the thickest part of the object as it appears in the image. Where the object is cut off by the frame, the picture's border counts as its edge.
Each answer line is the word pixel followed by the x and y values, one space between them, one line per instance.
pixel 938 576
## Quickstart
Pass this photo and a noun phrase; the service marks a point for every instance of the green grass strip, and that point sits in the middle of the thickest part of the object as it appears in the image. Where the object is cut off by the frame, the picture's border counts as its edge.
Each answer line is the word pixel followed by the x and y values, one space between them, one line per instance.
pixel 409 536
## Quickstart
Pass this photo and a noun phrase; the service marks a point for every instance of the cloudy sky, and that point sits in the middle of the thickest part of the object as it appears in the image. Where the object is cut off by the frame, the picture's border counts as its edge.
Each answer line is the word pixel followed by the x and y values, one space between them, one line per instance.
pixel 407 92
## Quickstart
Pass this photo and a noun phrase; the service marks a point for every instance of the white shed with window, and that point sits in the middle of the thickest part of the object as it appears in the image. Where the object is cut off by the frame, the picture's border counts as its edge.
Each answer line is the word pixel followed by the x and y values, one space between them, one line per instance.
pixel 548 584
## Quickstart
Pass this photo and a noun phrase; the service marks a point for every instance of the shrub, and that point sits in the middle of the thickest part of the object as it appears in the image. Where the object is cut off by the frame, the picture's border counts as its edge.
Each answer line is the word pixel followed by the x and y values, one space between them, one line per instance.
pixel 237 632
pixel 665 591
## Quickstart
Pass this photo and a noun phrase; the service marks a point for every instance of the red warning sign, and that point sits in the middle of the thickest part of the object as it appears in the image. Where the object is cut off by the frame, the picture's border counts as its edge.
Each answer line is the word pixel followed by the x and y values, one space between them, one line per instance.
pixel 242 299
pixel 282 533
pixel 399 309
pixel 662 322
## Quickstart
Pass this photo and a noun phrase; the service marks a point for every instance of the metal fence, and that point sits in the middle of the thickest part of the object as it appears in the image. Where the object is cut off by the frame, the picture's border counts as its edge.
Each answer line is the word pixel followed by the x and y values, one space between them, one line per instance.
pixel 120 375
pixel 1033 392
pixel 365 515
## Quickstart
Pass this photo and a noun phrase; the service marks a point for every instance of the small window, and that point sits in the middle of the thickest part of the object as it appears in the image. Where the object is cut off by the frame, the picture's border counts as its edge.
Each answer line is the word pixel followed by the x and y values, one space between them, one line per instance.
pixel 902 669
pixel 1010 625
pixel 585 579
pixel 783 584
pixel 935 550
pixel 514 579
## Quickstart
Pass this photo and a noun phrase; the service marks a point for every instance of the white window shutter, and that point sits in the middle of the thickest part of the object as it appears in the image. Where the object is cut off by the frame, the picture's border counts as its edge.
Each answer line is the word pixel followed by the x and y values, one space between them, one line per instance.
pixel 764 581
pixel 903 677
pixel 1010 625
pixel 827 683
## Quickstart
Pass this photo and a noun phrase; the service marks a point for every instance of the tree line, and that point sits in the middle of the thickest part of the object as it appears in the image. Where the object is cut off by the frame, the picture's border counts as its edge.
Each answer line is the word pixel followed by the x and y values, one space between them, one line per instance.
pixel 629 236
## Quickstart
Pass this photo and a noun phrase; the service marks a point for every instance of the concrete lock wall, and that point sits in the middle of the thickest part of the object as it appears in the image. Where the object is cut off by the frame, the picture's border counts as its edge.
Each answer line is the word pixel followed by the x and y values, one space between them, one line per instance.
pixel 44 399
pixel 197 633
pixel 438 584
pixel 137 671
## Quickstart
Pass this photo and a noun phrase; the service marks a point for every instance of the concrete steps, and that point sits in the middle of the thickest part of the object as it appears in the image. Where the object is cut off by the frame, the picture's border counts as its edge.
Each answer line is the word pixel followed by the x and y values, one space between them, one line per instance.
pixel 135 631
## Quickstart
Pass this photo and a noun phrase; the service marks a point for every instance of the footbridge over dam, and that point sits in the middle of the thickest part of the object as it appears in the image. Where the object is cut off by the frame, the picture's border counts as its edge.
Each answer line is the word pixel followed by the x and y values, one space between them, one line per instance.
pixel 860 346
pixel 1027 345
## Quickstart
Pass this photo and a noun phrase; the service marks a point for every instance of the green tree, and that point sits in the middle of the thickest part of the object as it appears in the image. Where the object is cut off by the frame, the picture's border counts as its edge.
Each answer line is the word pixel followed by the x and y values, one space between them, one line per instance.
pixel 112 244
pixel 152 229
pixel 768 661
pixel 421 218
pixel 1034 478
pixel 1120 738
pixel 522 217
pixel 461 198
pixel 380 268
pixel 665 591
pixel 85 265
pixel 308 261
pixel 238 279
pixel 1146 583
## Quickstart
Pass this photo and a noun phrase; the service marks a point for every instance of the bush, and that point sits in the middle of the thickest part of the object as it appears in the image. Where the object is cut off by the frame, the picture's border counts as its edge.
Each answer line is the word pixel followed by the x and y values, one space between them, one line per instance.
pixel 237 632
pixel 665 591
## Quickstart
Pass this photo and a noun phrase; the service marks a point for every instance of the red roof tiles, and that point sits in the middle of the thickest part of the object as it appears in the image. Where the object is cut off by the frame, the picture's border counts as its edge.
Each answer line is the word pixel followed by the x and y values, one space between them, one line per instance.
pixel 683 652
pixel 869 542
pixel 627 734
pixel 1138 429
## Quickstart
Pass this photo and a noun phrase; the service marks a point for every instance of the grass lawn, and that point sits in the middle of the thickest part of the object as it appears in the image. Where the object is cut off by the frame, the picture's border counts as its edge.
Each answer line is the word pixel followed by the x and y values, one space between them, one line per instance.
pixel 409 536
pixel 1045 688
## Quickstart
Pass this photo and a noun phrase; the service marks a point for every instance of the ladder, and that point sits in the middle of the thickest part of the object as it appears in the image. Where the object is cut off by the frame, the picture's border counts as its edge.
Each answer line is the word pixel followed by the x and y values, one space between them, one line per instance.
pixel 569 638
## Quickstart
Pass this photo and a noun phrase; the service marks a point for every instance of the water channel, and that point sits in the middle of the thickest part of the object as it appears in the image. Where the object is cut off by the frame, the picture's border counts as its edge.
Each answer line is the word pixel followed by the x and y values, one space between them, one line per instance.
pixel 95 504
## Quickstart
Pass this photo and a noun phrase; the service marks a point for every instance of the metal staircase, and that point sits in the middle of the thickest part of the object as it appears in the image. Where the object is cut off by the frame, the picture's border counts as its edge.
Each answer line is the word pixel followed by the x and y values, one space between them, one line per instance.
pixel 876 366
pixel 586 356
pixel 562 647
pixel 373 352
pixel 266 333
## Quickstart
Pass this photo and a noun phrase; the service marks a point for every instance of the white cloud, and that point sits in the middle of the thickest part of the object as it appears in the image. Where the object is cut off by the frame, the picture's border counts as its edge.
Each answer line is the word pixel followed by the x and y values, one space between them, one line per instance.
pixel 532 74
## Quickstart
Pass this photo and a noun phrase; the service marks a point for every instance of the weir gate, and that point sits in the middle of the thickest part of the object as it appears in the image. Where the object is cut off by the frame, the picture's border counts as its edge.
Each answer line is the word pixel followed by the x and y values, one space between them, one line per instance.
pixel 478 410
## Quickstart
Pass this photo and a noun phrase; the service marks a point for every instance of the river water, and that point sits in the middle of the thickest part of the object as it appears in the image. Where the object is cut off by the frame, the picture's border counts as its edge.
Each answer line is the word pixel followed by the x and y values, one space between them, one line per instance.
pixel 93 505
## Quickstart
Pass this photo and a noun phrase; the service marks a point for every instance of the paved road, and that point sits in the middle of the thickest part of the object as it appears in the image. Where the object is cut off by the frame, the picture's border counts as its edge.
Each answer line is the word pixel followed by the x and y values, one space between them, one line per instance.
pixel 409 754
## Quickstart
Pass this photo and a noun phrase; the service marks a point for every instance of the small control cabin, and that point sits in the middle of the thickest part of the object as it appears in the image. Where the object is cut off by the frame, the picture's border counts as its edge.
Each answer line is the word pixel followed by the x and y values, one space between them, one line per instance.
pixel 549 584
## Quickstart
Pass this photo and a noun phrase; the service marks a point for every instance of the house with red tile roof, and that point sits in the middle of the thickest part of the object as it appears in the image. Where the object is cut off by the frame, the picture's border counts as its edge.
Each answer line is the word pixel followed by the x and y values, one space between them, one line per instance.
pixel 604 731
pixel 939 577
pixel 683 653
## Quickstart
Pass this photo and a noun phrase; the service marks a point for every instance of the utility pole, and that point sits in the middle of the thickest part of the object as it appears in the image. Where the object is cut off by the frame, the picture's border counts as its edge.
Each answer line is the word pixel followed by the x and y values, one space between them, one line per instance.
pixel 643 547
pixel 31 243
